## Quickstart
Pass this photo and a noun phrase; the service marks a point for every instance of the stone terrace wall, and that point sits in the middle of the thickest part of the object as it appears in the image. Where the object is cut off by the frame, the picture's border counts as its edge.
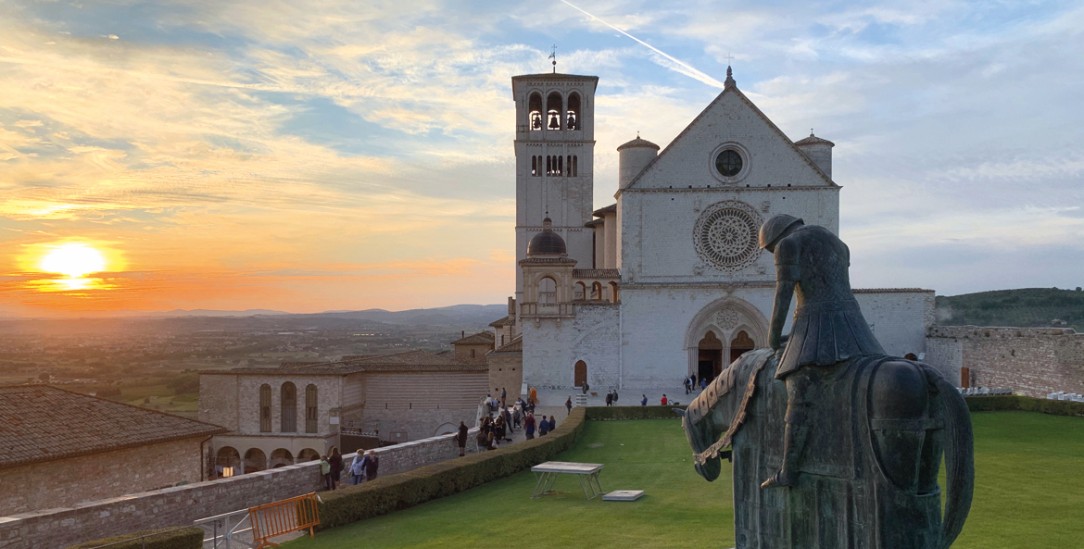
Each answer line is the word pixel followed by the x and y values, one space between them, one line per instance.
pixel 181 505
pixel 1031 361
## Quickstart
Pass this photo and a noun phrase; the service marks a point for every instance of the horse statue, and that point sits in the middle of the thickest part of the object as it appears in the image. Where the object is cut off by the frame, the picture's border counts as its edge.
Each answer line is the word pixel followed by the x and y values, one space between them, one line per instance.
pixel 868 474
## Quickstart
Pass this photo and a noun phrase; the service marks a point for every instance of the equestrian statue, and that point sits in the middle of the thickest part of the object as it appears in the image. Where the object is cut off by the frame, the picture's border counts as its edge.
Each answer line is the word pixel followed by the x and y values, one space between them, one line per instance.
pixel 833 443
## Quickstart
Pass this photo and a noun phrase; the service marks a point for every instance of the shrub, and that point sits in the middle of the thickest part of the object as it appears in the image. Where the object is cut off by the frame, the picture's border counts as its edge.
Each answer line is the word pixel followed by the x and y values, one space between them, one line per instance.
pixel 1026 404
pixel 186 537
pixel 604 413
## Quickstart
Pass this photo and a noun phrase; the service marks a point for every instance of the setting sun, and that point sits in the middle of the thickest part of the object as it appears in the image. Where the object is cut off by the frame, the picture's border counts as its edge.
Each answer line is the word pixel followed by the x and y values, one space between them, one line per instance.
pixel 73 260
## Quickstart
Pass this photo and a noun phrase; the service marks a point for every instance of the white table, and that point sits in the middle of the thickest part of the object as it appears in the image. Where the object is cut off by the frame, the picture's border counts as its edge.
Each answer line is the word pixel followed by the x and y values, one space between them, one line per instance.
pixel 548 471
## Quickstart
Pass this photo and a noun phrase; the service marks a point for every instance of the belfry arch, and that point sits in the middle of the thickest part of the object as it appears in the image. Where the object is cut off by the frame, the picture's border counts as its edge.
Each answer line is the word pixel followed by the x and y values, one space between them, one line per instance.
pixel 721 332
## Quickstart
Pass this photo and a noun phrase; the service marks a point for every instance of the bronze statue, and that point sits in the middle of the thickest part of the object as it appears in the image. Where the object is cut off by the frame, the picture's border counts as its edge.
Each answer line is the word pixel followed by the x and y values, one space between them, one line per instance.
pixel 852 438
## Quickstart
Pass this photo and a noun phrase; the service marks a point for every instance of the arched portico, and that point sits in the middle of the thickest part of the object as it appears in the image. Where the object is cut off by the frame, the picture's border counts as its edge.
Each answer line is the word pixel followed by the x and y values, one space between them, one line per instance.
pixel 720 332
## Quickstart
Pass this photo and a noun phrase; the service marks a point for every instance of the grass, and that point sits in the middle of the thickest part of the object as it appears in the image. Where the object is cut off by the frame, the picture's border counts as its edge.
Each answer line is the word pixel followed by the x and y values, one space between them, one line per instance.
pixel 1030 485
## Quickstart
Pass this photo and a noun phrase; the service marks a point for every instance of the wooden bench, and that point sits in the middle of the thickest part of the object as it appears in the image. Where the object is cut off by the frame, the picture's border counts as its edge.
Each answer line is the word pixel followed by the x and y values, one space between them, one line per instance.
pixel 283 517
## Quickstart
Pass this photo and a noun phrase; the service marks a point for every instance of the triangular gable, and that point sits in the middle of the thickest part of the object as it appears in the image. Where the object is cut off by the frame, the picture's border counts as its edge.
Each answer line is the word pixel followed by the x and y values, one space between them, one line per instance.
pixel 731 117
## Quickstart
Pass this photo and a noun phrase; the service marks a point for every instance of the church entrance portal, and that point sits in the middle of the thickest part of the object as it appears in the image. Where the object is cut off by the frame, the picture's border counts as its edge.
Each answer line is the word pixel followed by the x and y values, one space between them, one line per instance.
pixel 710 357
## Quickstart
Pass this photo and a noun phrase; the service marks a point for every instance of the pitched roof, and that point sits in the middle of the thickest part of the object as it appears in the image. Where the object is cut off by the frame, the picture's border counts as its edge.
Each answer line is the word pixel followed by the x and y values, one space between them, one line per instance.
pixel 480 338
pixel 41 423
pixel 732 88
pixel 514 346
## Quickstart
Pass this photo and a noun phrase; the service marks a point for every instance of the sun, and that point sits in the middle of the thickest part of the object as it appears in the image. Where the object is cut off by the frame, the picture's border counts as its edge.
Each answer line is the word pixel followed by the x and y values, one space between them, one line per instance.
pixel 73 260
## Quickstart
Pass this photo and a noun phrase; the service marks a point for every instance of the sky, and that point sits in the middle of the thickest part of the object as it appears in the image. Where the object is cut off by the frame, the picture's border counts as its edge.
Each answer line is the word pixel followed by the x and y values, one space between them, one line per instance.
pixel 335 155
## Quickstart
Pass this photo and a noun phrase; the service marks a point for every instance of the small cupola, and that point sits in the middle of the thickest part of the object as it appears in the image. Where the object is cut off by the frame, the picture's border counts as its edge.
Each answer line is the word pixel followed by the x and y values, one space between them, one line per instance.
pixel 633 157
pixel 819 151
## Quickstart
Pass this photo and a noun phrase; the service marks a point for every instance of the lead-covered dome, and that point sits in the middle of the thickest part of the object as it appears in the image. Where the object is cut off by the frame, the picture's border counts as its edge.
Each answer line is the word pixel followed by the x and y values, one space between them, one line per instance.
pixel 547 242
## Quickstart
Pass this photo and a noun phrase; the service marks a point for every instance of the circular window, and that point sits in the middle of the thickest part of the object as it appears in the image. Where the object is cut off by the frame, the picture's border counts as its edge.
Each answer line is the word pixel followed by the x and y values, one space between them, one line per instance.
pixel 728 163
pixel 725 235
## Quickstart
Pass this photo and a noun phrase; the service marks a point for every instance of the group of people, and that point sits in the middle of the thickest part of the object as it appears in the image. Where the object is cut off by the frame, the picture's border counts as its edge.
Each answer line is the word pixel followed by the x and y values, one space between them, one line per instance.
pixel 691 386
pixel 611 397
pixel 543 425
pixel 364 467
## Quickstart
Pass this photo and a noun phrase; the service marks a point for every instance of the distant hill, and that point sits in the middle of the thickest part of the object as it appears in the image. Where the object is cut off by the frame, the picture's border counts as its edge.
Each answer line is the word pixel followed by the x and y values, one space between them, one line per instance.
pixel 1029 307
pixel 456 318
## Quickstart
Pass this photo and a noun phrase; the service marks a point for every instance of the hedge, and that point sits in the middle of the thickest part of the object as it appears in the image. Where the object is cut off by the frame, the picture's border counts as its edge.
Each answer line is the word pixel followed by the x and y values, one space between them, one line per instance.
pixel 185 537
pixel 604 413
pixel 400 491
pixel 1026 404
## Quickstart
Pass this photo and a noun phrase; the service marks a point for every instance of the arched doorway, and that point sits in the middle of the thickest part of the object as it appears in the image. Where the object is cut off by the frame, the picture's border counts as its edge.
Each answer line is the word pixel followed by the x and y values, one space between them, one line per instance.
pixel 308 454
pixel 227 462
pixel 740 344
pixel 579 374
pixel 709 357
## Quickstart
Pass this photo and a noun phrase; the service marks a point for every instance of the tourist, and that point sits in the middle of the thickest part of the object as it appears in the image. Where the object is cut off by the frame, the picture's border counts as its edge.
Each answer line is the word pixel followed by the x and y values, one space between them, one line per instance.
pixel 460 438
pixel 371 464
pixel 528 425
pixel 568 405
pixel 325 471
pixel 609 398
pixel 615 397
pixel 543 427
pixel 643 401
pixel 357 467
pixel 688 388
pixel 552 424
pixel 336 462
pixel 662 400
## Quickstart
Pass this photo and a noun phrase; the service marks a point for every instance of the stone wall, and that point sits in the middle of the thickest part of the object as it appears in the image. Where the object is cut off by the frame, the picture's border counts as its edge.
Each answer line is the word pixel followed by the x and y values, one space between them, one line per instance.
pixel 67 482
pixel 181 505
pixel 1031 361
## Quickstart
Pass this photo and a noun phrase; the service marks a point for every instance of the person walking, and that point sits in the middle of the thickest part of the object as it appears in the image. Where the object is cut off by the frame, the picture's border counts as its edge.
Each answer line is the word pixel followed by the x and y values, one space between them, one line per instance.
pixel 357 467
pixel 336 462
pixel 643 401
pixel 568 405
pixel 528 425
pixel 552 424
pixel 371 464
pixel 325 471
pixel 543 427
pixel 461 438
pixel 662 400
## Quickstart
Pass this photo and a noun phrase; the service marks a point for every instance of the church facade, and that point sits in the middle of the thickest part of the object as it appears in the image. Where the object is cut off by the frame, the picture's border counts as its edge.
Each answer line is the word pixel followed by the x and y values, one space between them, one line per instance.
pixel 669 280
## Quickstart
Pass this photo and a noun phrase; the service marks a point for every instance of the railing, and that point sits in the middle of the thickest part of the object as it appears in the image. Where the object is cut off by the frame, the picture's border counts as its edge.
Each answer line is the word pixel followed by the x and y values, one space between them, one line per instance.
pixel 231 528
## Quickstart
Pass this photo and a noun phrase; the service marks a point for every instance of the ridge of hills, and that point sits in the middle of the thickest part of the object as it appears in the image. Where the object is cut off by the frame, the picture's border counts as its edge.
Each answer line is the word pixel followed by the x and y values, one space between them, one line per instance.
pixel 1026 307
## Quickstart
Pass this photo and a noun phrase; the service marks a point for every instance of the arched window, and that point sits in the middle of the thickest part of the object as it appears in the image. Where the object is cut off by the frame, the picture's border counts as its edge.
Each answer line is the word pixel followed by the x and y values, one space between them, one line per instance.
pixel 289 408
pixel 614 296
pixel 265 408
pixel 312 411
pixel 596 291
pixel 580 290
pixel 572 115
pixel 553 111
pixel 547 295
pixel 534 109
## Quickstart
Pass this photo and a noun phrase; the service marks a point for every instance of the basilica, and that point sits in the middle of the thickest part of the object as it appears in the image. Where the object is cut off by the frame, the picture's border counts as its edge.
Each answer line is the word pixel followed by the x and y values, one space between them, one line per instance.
pixel 668 280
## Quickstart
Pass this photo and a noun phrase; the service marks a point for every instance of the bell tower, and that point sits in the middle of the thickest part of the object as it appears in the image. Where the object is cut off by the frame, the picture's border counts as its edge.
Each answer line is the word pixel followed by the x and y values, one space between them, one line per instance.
pixel 555 144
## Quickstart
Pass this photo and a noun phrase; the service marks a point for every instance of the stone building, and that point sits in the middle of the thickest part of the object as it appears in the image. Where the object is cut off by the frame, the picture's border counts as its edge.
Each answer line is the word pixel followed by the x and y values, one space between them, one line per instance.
pixel 297 411
pixel 669 280
pixel 59 449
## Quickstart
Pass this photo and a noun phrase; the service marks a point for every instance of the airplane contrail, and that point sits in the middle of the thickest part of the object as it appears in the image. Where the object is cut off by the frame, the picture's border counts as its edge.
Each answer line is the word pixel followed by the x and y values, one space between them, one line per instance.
pixel 688 70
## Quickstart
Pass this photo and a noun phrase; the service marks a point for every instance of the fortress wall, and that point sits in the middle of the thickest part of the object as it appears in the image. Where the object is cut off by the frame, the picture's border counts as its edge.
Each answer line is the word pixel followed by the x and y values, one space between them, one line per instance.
pixel 1030 361
pixel 181 505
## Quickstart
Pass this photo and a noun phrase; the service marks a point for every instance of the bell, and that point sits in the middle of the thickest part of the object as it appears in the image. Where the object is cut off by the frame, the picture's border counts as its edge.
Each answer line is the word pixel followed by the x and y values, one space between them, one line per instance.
pixel 554 123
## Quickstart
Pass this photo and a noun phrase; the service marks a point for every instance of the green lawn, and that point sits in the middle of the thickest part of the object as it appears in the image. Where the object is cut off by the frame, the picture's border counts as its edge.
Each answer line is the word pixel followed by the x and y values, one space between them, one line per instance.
pixel 1030 493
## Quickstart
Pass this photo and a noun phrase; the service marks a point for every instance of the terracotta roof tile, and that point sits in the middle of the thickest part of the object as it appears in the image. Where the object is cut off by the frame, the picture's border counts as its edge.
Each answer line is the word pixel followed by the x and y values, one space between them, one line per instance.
pixel 42 423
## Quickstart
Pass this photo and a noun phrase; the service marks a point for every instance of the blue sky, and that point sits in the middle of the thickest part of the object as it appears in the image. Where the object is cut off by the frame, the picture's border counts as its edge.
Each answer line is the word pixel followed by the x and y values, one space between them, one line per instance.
pixel 333 155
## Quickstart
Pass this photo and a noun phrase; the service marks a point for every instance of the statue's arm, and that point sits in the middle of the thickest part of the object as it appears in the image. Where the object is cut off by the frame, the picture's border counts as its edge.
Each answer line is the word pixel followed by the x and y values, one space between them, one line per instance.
pixel 786 276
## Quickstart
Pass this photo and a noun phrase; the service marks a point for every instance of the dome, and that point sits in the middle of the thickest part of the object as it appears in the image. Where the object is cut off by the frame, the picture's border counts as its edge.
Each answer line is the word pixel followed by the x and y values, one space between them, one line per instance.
pixel 638 143
pixel 546 242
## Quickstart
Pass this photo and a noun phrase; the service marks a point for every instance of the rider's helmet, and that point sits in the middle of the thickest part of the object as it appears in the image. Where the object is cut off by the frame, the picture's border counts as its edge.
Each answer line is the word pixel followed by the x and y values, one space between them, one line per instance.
pixel 774 229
